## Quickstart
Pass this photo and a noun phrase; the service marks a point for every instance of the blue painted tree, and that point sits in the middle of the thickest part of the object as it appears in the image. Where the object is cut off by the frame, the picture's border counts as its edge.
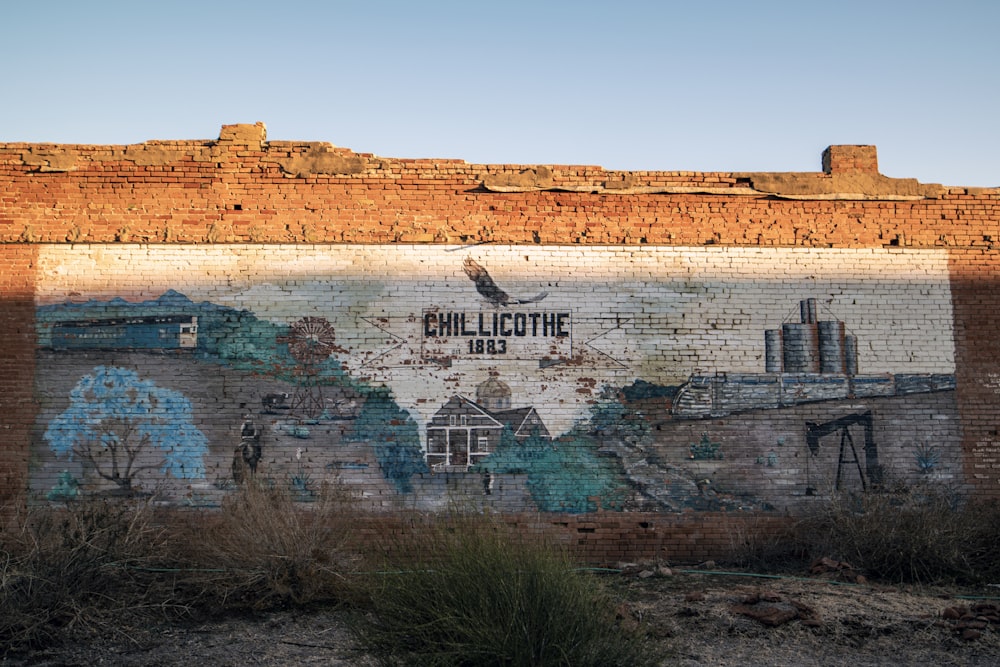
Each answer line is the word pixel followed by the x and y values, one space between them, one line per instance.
pixel 119 425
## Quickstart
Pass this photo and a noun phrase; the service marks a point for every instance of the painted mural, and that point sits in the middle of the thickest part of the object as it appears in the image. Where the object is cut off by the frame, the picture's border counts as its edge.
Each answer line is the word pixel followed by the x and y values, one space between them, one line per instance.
pixel 521 378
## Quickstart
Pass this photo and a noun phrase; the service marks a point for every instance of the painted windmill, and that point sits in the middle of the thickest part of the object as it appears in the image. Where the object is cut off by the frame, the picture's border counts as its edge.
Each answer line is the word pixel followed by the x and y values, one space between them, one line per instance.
pixel 310 342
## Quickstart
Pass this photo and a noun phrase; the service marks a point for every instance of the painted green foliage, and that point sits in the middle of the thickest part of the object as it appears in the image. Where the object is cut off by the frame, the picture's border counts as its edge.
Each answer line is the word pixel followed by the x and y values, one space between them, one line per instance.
pixel 564 475
pixel 68 488
pixel 706 450
pixel 393 435
pixel 568 474
pixel 250 344
pixel 928 458
pixel 611 418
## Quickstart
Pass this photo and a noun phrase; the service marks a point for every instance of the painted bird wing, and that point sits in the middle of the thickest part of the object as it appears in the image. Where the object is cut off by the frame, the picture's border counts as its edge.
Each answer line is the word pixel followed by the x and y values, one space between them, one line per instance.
pixel 484 283
pixel 534 299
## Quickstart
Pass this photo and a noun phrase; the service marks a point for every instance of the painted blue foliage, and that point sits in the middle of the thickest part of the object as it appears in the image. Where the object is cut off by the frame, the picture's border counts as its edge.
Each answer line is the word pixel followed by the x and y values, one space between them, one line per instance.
pixel 393 435
pixel 118 423
pixel 928 458
pixel 564 475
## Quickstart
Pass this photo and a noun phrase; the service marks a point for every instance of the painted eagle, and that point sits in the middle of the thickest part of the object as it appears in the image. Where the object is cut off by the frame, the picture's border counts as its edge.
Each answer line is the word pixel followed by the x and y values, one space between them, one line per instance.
pixel 489 290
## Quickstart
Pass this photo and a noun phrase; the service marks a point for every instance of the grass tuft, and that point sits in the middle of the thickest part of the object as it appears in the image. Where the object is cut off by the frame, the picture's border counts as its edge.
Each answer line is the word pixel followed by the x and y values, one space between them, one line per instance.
pixel 479 595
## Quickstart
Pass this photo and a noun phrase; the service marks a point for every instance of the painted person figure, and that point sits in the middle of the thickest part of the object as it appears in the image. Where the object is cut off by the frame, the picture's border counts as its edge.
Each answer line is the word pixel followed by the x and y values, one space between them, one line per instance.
pixel 248 453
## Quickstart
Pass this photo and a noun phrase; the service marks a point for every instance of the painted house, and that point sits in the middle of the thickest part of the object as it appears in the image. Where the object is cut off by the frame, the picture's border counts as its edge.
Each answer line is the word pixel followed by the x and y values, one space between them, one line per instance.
pixel 463 432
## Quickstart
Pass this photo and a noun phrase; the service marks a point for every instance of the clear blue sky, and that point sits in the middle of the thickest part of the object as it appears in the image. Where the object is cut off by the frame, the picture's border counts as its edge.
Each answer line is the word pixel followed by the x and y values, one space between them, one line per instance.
pixel 715 85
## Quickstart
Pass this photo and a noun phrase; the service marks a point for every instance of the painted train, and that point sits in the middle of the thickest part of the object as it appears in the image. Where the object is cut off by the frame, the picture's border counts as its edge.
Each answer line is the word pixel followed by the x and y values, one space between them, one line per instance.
pixel 154 332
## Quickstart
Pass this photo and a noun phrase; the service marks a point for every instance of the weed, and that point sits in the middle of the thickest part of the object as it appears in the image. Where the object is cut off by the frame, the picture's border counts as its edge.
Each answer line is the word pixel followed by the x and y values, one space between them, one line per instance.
pixel 264 549
pixel 920 533
pixel 482 596
pixel 67 569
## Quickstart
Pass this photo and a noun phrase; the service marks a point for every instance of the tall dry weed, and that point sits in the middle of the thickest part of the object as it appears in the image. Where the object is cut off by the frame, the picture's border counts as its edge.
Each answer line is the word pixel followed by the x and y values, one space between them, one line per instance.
pixel 84 567
pixel 921 533
pixel 262 548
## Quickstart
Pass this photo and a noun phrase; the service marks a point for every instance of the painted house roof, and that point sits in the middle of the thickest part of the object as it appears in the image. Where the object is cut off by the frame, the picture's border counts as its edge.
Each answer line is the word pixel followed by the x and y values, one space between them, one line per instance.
pixel 521 421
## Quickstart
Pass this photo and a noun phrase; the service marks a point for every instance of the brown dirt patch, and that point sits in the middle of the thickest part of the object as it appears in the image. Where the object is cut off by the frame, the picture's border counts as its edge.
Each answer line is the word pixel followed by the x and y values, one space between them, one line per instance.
pixel 707 618
pixel 718 619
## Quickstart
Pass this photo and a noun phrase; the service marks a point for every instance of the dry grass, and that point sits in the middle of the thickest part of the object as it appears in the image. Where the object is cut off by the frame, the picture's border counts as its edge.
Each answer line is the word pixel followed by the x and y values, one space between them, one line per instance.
pixel 111 567
pixel 263 549
pixel 101 566
pixel 73 569
pixel 922 534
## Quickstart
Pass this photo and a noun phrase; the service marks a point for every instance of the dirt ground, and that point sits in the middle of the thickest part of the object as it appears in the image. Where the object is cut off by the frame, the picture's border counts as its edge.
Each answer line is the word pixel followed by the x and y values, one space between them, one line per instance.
pixel 706 617
pixel 729 620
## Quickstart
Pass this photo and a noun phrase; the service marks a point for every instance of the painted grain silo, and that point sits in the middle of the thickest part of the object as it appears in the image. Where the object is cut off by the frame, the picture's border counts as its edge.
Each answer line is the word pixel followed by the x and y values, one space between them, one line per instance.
pixel 800 341
pixel 772 351
pixel 851 355
pixel 799 347
pixel 810 345
pixel 831 346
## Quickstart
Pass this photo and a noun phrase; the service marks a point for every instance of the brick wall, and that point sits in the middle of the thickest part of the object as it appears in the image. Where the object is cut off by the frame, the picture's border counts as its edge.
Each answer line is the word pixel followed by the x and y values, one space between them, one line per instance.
pixel 309 313
pixel 17 365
